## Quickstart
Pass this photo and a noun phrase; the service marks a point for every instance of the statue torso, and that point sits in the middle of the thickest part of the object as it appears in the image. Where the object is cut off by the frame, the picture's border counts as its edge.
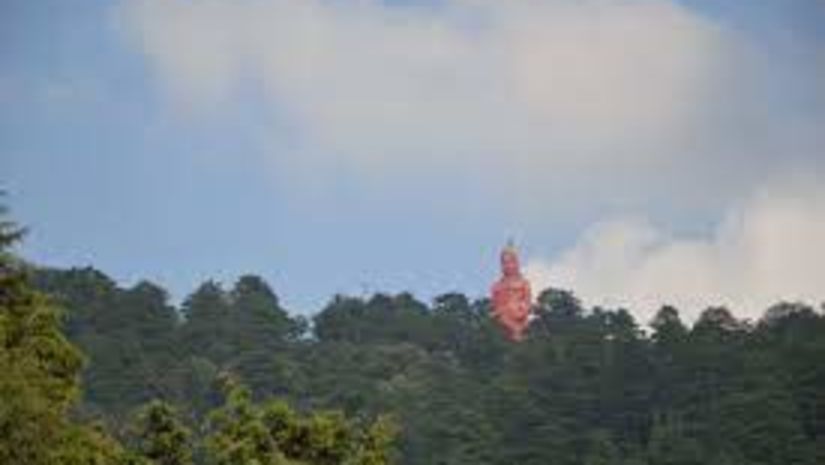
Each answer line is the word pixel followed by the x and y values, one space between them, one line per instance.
pixel 511 296
pixel 511 299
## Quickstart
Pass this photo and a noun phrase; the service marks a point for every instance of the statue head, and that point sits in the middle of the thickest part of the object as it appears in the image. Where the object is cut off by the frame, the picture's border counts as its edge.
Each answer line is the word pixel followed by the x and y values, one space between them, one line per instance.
pixel 509 262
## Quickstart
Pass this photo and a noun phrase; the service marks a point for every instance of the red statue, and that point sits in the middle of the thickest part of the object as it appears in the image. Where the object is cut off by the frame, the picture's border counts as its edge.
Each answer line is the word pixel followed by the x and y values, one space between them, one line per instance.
pixel 511 296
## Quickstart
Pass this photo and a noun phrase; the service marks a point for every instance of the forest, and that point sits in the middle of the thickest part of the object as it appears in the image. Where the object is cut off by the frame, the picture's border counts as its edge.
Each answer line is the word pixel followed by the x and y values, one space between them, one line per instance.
pixel 96 373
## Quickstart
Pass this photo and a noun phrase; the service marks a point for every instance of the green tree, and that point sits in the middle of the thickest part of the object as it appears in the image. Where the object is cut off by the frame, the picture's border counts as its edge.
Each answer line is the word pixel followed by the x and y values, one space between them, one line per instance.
pixel 601 450
pixel 261 336
pixel 207 329
pixel 668 327
pixel 160 437
pixel 670 443
pixel 40 376
pixel 274 434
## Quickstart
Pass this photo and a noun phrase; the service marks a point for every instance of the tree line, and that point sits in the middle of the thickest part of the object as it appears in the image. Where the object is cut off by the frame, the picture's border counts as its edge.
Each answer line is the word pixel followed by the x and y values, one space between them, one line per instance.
pixel 97 373
pixel 49 417
pixel 588 386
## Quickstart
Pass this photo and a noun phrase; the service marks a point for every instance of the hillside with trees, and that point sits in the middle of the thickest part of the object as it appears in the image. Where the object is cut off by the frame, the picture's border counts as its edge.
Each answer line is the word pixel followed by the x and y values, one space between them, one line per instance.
pixel 96 373
pixel 120 413
pixel 588 386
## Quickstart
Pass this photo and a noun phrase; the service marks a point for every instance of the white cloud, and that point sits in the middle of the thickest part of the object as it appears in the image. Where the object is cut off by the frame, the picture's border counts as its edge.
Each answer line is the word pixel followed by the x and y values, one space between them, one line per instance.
pixel 580 88
pixel 547 105
pixel 767 249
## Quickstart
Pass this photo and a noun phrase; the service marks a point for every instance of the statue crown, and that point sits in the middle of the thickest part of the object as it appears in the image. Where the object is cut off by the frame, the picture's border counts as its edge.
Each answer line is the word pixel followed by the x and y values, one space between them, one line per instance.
pixel 509 248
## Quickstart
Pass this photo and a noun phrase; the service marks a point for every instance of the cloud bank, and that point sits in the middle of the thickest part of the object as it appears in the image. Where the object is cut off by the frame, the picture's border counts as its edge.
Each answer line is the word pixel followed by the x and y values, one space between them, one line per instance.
pixel 766 250
pixel 547 106
pixel 511 88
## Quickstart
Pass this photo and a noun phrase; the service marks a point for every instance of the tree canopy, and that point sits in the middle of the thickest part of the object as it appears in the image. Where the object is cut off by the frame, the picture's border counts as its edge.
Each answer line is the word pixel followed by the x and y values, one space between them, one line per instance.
pixel 588 385
pixel 123 376
pixel 137 351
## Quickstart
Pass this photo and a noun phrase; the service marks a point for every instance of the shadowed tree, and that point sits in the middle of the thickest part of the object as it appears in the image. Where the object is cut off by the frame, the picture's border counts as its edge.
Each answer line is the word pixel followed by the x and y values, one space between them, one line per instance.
pixel 40 376
pixel 242 432
pixel 159 436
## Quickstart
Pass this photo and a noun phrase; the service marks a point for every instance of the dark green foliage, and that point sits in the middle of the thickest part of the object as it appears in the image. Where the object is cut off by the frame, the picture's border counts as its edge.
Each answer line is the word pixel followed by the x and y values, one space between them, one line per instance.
pixel 129 335
pixel 588 386
pixel 39 376
pixel 160 437
pixel 381 319
pixel 133 334
pixel 207 330
pixel 242 432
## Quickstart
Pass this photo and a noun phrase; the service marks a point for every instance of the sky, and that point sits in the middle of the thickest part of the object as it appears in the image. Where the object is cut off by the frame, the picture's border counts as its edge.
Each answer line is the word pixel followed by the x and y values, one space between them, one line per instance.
pixel 639 152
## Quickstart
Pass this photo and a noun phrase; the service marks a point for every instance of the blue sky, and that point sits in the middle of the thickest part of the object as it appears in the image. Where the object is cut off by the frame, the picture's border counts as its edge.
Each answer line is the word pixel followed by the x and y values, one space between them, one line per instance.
pixel 360 146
